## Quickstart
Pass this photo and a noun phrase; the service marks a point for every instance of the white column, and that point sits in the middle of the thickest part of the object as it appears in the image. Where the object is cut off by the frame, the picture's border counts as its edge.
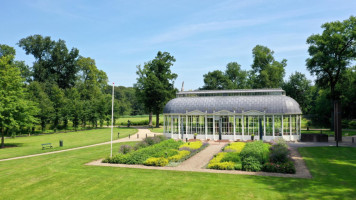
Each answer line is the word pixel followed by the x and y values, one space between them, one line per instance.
pixel 264 125
pixel 282 126
pixel 300 126
pixel 172 130
pixel 206 125
pixel 178 127
pixel 234 126
pixel 186 126
pixel 290 127
pixel 164 124
pixel 213 127
pixel 243 128
pixel 273 126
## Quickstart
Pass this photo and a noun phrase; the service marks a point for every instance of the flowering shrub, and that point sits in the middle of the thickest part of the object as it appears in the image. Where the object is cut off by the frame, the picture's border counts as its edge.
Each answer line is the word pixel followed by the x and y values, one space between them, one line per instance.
pixel 181 154
pixel 156 162
pixel 192 145
pixel 287 167
pixel 235 147
pixel 218 157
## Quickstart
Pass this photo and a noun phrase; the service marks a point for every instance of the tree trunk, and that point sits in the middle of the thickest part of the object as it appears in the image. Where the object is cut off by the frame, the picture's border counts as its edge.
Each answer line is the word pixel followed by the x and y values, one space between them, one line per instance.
pixel 157 120
pixel 337 121
pixel 2 138
pixel 150 119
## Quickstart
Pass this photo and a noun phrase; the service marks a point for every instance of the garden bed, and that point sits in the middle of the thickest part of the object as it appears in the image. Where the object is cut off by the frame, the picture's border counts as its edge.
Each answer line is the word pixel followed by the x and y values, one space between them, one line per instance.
pixel 254 156
pixel 156 151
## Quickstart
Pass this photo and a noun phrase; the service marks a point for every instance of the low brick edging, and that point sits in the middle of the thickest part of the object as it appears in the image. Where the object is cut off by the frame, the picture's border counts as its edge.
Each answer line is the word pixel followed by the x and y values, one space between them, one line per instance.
pixel 301 169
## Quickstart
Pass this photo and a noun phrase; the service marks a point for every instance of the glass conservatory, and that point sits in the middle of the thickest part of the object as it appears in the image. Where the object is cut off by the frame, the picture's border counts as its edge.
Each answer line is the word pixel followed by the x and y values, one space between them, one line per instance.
pixel 266 114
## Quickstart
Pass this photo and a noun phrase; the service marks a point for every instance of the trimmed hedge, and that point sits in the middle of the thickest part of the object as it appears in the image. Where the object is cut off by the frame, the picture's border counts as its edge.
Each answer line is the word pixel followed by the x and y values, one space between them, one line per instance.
pixel 251 164
pixel 235 147
pixel 256 149
pixel 191 145
pixel 181 154
pixel 222 166
pixel 166 148
pixel 156 162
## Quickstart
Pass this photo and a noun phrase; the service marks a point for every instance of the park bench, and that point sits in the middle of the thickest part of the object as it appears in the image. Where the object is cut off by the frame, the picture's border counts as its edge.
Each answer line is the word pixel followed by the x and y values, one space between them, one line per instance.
pixel 47 145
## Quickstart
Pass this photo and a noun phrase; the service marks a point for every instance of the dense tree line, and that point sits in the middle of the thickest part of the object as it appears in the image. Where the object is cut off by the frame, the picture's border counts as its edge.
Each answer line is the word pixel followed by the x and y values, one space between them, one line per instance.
pixel 61 88
pixel 332 54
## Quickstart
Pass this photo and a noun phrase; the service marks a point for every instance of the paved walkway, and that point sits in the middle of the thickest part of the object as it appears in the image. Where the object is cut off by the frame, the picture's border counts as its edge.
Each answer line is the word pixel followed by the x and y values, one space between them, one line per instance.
pixel 141 132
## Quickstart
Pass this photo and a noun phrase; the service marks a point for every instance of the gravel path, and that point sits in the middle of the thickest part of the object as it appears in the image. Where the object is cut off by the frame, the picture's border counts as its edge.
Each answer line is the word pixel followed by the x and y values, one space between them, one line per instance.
pixel 141 132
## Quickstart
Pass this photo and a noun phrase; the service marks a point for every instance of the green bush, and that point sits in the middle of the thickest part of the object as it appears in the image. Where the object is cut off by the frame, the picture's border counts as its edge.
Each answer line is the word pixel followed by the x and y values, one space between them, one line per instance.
pixel 238 166
pixel 256 149
pixel 181 155
pixel 278 153
pixel 287 167
pixel 222 166
pixel 124 149
pixel 156 162
pixel 352 124
pixel 163 149
pixel 251 164
pixel 231 156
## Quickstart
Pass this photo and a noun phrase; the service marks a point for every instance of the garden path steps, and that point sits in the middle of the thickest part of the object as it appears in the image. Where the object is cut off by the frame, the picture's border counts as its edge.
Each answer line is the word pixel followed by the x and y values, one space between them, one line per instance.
pixel 142 131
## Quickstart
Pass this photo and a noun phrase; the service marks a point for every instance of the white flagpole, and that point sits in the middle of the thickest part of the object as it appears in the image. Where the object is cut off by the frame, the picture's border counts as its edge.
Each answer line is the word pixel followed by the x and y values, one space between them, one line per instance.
pixel 112 117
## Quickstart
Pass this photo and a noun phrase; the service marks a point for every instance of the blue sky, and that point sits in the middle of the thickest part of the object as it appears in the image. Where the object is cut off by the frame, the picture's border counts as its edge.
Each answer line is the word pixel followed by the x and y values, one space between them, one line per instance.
pixel 202 35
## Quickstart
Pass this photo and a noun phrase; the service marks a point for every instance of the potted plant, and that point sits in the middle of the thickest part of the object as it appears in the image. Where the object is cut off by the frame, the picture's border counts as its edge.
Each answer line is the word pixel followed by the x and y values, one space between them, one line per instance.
pixel 252 136
pixel 195 135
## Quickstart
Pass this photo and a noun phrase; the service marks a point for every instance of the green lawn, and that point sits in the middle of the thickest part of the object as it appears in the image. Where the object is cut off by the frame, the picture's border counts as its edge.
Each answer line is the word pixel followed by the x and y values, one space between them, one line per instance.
pixel 157 130
pixel 64 176
pixel 32 144
pixel 328 132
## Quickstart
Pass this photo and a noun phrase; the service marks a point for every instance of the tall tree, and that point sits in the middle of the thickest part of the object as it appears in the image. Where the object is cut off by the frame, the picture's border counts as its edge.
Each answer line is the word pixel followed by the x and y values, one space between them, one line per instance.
pixel 155 83
pixel 330 54
pixel 54 62
pixel 299 88
pixel 15 110
pixel 216 80
pixel 237 76
pixel 267 71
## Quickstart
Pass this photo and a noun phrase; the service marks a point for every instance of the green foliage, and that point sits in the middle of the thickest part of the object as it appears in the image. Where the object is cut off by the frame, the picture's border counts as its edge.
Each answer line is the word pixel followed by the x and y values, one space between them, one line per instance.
pixel 231 157
pixel 155 83
pixel 192 145
pixel 163 149
pixel 156 162
pixel 222 165
pixel 124 149
pixel 266 71
pixel 235 147
pixel 331 53
pixel 180 156
pixel 299 88
pixel 278 153
pixel 287 167
pixel 232 78
pixel 257 150
pixel 15 110
pixel 251 163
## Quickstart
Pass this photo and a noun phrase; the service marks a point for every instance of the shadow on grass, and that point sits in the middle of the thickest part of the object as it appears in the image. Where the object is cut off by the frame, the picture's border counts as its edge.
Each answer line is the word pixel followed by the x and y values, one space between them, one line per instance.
pixel 11 145
pixel 334 175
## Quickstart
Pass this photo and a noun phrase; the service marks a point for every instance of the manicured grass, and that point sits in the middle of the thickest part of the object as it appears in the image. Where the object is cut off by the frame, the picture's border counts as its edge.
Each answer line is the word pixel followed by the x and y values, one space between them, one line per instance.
pixel 140 120
pixel 157 130
pixel 328 132
pixel 32 144
pixel 64 176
